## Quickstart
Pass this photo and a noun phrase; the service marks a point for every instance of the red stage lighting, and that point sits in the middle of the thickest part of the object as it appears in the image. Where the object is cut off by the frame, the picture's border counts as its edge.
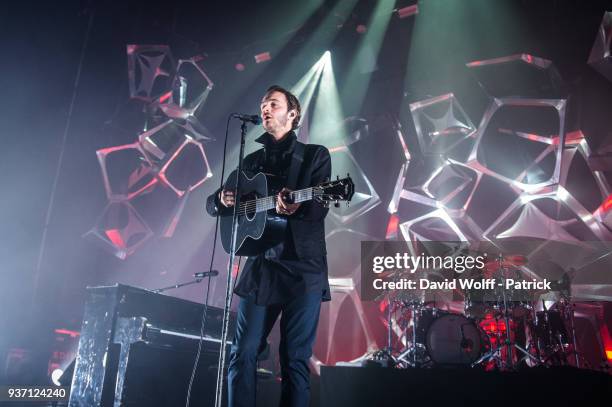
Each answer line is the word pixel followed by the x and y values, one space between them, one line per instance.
pixel 392 227
pixel 408 11
pixel 72 334
pixel 607 204
pixel 263 57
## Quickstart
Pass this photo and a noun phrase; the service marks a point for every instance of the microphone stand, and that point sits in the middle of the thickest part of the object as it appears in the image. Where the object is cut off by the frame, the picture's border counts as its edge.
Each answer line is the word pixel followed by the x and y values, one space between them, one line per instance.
pixel 161 290
pixel 228 290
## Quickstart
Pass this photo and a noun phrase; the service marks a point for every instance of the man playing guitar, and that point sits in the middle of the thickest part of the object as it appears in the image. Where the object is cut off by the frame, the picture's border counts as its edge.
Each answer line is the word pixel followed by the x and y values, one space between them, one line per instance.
pixel 289 279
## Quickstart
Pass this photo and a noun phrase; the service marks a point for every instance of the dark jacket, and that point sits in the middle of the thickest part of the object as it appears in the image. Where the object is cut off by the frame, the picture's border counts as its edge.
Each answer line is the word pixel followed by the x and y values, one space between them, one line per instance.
pixel 307 224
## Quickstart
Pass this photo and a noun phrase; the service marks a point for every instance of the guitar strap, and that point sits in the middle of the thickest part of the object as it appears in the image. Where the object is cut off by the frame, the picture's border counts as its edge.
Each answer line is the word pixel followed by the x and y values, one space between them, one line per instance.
pixel 297 159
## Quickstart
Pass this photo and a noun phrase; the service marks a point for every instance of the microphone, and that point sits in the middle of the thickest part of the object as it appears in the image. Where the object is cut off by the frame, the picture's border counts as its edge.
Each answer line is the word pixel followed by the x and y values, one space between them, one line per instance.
pixel 251 118
pixel 203 274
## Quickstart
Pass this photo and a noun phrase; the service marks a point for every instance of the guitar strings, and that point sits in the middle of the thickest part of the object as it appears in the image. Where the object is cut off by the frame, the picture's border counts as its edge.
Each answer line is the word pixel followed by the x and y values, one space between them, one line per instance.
pixel 270 201
pixel 251 206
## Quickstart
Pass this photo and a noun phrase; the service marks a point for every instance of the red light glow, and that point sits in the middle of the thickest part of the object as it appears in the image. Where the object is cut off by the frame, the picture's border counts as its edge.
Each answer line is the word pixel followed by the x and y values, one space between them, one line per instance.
pixel 392 227
pixel 114 235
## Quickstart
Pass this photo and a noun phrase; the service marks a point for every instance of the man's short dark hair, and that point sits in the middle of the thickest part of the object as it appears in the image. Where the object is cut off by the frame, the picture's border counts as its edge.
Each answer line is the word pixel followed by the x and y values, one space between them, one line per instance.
pixel 292 103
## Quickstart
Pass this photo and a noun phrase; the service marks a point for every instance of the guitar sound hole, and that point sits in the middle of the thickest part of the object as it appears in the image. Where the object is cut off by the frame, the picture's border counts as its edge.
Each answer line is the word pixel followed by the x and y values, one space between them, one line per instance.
pixel 250 209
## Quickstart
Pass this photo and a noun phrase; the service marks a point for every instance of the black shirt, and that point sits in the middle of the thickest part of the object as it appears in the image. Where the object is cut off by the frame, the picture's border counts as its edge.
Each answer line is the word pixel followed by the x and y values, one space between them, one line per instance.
pixel 278 276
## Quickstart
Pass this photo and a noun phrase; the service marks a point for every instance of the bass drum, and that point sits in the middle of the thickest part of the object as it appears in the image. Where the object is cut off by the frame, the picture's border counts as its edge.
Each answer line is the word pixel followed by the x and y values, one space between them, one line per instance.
pixel 454 340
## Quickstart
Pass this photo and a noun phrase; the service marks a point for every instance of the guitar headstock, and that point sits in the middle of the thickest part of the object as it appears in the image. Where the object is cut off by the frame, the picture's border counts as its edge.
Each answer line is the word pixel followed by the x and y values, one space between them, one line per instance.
pixel 334 191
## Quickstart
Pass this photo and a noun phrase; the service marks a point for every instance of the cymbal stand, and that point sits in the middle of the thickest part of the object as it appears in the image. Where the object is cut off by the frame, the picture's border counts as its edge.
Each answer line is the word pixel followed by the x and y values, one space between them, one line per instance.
pixel 410 355
pixel 567 311
pixel 496 352
pixel 573 328
pixel 568 315
pixel 385 355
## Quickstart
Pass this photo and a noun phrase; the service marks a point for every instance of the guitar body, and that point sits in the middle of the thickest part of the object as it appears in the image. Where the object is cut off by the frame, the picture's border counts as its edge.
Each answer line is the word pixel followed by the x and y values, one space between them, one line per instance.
pixel 259 226
pixel 257 231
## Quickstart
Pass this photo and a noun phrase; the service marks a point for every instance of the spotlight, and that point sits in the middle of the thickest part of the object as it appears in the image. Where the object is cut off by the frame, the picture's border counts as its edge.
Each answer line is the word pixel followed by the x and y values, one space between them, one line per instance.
pixel 55 376
pixel 239 67
pixel 408 11
pixel 263 57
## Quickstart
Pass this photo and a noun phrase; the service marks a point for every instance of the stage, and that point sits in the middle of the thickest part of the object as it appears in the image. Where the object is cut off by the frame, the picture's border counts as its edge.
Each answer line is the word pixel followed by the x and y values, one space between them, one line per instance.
pixel 387 387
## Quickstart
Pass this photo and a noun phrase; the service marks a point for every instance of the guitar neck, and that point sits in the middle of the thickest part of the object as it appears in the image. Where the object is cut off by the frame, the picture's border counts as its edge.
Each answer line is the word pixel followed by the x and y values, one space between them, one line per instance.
pixel 269 202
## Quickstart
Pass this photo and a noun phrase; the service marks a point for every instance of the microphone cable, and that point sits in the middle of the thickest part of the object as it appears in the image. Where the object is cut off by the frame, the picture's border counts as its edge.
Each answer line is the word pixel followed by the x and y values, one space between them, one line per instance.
pixel 212 257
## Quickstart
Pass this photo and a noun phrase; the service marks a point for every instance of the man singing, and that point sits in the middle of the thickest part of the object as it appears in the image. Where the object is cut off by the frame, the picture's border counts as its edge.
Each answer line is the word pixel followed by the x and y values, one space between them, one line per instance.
pixel 290 279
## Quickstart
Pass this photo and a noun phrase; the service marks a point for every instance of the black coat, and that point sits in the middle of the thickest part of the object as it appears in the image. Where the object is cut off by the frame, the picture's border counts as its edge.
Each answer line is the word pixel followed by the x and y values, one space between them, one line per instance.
pixel 307 224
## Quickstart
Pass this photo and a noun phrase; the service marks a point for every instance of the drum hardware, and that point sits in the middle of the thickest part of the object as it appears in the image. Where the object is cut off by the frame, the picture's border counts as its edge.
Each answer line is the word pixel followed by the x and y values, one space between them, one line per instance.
pixel 384 357
pixel 555 343
pixel 437 337
pixel 415 354
pixel 504 264
pixel 564 287
pixel 395 300
pixel 413 304
pixel 506 261
pixel 442 338
pixel 553 328
pixel 573 329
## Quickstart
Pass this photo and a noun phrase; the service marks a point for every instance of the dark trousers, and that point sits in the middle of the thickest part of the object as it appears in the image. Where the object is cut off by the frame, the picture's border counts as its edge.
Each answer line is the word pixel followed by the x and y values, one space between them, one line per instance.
pixel 298 327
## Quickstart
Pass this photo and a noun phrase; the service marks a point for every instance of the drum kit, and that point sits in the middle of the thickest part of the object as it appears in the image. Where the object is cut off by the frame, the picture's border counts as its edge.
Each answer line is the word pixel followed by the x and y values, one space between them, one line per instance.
pixel 498 329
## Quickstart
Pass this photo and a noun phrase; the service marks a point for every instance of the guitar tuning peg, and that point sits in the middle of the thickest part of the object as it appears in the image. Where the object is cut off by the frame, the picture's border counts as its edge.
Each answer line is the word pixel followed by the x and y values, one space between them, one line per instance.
pixel 336 204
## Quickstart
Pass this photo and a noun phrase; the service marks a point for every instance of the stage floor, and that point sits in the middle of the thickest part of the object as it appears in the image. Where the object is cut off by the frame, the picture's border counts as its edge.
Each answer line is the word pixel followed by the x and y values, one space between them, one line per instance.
pixel 380 387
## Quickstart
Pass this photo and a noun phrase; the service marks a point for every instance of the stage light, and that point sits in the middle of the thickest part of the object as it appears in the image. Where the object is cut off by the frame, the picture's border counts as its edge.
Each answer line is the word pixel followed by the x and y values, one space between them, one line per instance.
pixel 392 227
pixel 364 60
pixel 607 204
pixel 323 36
pixel 263 57
pixel 361 28
pixel 408 11
pixel 239 67
pixel 72 334
pixel 303 89
pixel 311 76
pixel 55 376
pixel 328 114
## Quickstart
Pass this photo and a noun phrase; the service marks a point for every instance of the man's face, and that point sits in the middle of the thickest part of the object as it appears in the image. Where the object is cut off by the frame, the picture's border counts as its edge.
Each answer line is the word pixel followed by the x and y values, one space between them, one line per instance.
pixel 276 119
